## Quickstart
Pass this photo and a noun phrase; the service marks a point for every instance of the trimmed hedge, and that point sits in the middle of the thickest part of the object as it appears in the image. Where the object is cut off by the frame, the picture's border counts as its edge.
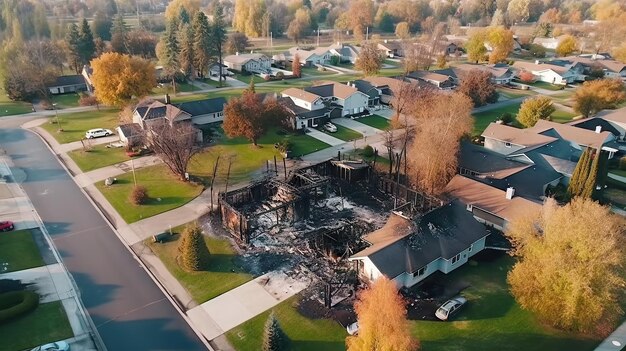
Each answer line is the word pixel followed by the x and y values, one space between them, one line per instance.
pixel 17 303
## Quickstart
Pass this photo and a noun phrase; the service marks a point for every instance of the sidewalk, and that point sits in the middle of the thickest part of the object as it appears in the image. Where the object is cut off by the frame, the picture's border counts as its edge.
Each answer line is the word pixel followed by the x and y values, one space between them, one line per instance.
pixel 355 125
pixel 52 280
pixel 321 136
pixel 236 306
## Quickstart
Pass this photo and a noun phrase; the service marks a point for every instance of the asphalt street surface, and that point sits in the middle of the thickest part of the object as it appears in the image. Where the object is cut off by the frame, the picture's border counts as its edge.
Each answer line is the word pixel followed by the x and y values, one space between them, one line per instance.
pixel 128 309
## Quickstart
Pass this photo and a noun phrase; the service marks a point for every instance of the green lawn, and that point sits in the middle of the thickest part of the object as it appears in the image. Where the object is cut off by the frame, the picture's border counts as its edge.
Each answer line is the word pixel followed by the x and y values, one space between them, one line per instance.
pixel 343 133
pixel 99 156
pixel 313 71
pixel 492 320
pixel 46 324
pixel 222 274
pixel 166 88
pixel 248 158
pixel 482 119
pixel 513 93
pixel 19 251
pixel 165 192
pixel 304 334
pixel 65 100
pixel 8 107
pixel 545 85
pixel 246 78
pixel 76 124
pixel 375 121
pixel 561 116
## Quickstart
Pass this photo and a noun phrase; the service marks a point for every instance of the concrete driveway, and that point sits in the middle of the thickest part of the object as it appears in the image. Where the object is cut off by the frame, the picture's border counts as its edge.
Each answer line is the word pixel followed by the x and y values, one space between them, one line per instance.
pixel 357 126
pixel 328 139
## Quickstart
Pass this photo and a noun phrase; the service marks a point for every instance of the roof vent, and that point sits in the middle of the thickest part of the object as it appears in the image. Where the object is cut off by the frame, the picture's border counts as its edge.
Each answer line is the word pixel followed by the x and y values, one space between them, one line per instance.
pixel 598 129
pixel 510 192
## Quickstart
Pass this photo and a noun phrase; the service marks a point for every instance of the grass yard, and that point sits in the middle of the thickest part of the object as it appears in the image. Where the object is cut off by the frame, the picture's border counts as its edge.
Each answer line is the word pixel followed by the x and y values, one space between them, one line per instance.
pixel 546 86
pixel 165 192
pixel 312 71
pixel 99 156
pixel 561 116
pixel 482 119
pixel 8 107
pixel 513 93
pixel 247 158
pixel 166 88
pixel 46 324
pixel 343 133
pixel 303 334
pixel 65 100
pixel 76 124
pixel 221 276
pixel 375 121
pixel 246 78
pixel 18 251
pixel 492 320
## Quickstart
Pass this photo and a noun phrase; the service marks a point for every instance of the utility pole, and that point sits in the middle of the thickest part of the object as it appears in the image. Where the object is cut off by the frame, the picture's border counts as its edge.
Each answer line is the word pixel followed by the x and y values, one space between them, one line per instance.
pixel 56 114
pixel 132 165
pixel 318 36
pixel 367 33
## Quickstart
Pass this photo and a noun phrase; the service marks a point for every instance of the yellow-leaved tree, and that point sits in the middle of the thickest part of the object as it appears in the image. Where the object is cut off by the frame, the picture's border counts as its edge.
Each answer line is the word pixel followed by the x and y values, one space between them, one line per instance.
pixel 501 41
pixel 568 45
pixel 117 78
pixel 570 269
pixel 382 320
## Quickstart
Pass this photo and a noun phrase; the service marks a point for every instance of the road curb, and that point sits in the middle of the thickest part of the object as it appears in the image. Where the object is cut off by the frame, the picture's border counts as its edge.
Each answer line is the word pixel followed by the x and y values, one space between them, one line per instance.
pixel 126 245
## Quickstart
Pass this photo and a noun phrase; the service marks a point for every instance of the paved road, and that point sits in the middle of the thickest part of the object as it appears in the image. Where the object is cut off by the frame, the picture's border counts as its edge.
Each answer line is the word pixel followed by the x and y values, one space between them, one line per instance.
pixel 128 309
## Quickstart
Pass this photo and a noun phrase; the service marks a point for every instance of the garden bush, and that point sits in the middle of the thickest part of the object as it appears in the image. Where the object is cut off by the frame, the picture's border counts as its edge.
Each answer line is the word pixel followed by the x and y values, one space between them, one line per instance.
pixel 139 195
pixel 87 100
pixel 368 151
pixel 622 163
pixel 506 118
pixel 17 303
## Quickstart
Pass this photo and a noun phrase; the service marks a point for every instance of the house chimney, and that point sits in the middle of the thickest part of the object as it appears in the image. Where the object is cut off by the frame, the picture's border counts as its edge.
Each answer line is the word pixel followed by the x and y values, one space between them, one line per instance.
pixel 598 129
pixel 167 99
pixel 510 191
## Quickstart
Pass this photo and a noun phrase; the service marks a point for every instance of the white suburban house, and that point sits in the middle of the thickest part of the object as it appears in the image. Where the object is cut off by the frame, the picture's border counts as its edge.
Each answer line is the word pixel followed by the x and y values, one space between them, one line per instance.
pixel 346 52
pixel 324 100
pixel 549 72
pixel 438 80
pixel 391 49
pixel 252 63
pixel 309 58
pixel 549 43
pixel 610 67
pixel 407 251
pixel 501 73
pixel 67 84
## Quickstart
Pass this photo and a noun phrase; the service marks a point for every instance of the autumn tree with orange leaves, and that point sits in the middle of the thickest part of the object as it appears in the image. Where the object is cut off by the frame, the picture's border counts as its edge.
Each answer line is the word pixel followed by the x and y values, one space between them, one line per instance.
pixel 249 116
pixel 382 320
pixel 117 78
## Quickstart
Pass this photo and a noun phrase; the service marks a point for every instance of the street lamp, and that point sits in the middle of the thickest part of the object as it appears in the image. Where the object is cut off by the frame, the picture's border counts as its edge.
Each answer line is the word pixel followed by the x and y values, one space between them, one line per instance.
pixel 56 114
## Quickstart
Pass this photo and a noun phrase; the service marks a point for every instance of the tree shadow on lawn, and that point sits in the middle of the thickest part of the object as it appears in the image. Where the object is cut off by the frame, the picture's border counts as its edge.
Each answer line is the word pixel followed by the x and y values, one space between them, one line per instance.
pixel 508 340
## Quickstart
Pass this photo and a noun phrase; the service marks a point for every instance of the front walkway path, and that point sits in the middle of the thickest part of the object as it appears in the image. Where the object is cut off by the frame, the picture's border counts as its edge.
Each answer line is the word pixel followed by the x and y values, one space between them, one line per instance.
pixel 321 136
pixel 353 124
pixel 245 302
pixel 85 179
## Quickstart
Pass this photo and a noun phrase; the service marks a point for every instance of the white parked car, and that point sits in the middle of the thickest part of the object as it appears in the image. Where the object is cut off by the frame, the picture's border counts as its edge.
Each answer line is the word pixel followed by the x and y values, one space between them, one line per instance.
pixel 353 328
pixel 53 346
pixel 450 307
pixel 330 127
pixel 97 133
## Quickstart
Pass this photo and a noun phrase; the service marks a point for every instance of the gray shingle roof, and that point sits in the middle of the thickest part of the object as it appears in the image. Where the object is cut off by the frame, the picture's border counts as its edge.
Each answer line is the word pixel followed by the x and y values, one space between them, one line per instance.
pixel 202 107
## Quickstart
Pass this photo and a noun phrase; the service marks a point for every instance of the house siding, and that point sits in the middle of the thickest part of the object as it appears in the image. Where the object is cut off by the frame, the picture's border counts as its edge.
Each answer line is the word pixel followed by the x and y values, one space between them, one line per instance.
pixel 208 118
pixel 501 146
pixel 355 103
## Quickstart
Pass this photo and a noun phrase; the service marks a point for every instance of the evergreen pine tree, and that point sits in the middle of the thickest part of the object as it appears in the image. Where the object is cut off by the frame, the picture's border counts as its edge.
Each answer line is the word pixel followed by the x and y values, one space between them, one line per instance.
pixel 579 176
pixel 592 177
pixel 119 35
pixel 183 16
pixel 194 255
pixel 603 168
pixel 168 53
pixel 185 45
pixel 251 86
pixel 72 38
pixel 102 26
pixel 219 34
pixel 272 335
pixel 202 49
pixel 86 45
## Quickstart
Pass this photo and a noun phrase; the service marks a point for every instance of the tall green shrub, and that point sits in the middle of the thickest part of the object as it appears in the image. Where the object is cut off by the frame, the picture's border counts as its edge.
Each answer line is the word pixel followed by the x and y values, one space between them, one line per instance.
pixel 579 177
pixel 273 338
pixel 592 176
pixel 194 254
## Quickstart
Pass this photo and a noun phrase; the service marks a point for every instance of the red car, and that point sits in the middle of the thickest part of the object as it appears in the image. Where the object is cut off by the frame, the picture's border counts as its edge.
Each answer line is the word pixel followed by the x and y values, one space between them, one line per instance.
pixel 6 226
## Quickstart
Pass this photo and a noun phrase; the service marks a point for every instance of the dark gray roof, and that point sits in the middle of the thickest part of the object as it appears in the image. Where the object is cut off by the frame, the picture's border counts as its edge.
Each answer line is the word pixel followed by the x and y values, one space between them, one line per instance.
pixel 592 123
pixel 443 232
pixel 483 160
pixel 301 112
pixel 202 107
pixel 366 88
pixel 325 90
pixel 61 81
pixel 446 71
pixel 130 129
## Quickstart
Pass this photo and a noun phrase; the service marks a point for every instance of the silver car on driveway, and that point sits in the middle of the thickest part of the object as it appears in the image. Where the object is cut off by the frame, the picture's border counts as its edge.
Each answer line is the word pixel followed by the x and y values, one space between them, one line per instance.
pixel 450 307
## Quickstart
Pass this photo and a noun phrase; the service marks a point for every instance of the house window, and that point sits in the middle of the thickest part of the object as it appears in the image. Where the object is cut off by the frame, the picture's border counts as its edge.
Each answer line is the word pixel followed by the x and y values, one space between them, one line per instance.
pixel 470 248
pixel 507 144
pixel 456 258
pixel 420 272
